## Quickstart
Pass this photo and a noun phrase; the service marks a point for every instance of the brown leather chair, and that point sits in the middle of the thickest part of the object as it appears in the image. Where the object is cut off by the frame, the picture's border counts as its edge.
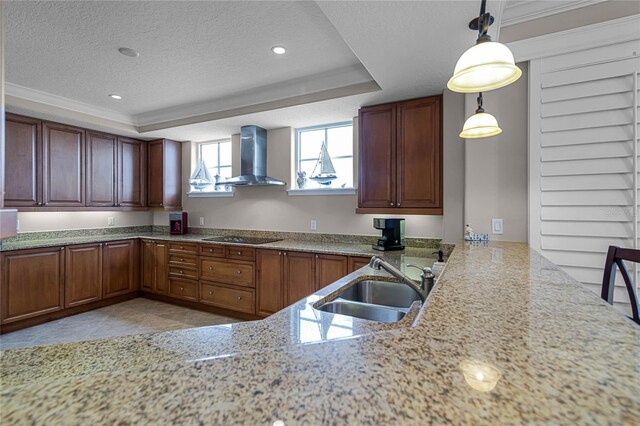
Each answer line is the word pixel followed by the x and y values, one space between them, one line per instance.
pixel 615 256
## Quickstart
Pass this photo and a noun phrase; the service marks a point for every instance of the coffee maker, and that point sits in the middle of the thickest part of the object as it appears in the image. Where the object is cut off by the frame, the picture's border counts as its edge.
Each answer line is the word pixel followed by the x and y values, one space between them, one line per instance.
pixel 392 234
pixel 178 223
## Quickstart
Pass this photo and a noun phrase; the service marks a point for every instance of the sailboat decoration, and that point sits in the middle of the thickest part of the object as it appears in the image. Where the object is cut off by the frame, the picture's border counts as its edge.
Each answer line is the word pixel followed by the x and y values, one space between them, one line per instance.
pixel 327 172
pixel 201 178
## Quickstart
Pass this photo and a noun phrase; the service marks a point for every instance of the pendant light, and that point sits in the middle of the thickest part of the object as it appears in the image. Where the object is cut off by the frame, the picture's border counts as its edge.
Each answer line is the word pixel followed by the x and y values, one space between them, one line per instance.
pixel 486 66
pixel 480 124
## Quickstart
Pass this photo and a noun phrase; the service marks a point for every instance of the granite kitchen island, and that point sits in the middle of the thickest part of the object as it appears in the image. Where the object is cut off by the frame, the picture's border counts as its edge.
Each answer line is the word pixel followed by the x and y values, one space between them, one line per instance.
pixel 505 338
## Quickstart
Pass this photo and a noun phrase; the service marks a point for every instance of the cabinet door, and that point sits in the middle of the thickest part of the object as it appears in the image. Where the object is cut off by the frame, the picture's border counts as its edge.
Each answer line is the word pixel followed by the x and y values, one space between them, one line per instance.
pixel 357 262
pixel 32 283
pixel 329 268
pixel 23 162
pixel 132 164
pixel 270 282
pixel 63 167
pixel 419 155
pixel 118 265
pixel 101 169
pixel 377 156
pixel 155 175
pixel 83 274
pixel 161 263
pixel 148 265
pixel 299 280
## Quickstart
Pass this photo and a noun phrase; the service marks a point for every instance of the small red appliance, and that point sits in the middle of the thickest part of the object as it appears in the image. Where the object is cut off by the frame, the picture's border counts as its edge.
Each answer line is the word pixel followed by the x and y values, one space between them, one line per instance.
pixel 178 223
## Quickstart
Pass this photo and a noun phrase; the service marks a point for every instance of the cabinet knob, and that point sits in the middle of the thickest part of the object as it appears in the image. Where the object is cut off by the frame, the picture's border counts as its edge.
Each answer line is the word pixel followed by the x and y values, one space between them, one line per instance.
pixel 317 256
pixel 181 248
pixel 39 204
pixel 239 272
pixel 239 253
pixel 113 205
pixel 181 272
pixel 211 293
pixel 61 248
pixel 285 253
pixel 181 288
pixel 106 244
pixel 279 253
pixel 398 204
pixel 181 260
pixel 211 268
pixel 161 204
pixel 210 250
pixel 239 298
pixel 46 204
pixel 391 204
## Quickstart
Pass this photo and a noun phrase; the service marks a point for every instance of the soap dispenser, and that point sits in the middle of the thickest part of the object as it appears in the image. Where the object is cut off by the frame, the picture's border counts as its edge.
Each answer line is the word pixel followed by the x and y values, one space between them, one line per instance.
pixel 438 266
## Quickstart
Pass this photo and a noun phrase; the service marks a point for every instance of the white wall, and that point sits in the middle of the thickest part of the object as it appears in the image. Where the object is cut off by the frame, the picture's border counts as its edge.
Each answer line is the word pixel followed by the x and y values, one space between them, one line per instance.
pixel 57 221
pixel 496 178
pixel 270 208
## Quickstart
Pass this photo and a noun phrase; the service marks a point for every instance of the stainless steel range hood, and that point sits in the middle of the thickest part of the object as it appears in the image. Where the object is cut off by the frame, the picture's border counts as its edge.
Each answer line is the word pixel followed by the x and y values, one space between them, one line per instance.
pixel 253 159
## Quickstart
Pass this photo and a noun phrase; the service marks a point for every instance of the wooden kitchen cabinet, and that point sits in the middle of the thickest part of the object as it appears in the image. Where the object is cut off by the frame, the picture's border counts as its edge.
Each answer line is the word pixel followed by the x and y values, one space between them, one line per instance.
pixel 165 174
pixel 357 262
pixel 23 161
pixel 32 283
pixel 119 268
pixel 328 269
pixel 83 274
pixel 101 170
pixel 299 279
pixel 131 173
pixel 270 282
pixel 154 267
pixel 63 165
pixel 400 157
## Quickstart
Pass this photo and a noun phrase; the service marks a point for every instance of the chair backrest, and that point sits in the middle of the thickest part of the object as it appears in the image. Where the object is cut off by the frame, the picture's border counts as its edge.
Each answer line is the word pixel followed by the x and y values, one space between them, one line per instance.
pixel 616 256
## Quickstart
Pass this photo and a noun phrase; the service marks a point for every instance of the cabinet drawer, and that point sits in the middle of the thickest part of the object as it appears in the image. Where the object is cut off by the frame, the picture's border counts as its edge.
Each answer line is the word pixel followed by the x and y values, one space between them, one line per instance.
pixel 211 250
pixel 178 272
pixel 183 248
pixel 240 253
pixel 228 298
pixel 237 273
pixel 181 260
pixel 182 289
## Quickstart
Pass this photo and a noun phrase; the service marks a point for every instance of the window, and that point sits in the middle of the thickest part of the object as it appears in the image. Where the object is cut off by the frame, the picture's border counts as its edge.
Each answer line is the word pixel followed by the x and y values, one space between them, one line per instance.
pixel 311 144
pixel 217 160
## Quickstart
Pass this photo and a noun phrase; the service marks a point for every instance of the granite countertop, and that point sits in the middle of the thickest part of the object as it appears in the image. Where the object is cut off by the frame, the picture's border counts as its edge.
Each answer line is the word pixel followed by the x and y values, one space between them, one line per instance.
pixel 505 338
pixel 329 247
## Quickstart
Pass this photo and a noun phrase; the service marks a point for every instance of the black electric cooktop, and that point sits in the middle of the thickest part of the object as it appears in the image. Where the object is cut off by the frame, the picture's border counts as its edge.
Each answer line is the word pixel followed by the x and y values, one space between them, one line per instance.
pixel 242 240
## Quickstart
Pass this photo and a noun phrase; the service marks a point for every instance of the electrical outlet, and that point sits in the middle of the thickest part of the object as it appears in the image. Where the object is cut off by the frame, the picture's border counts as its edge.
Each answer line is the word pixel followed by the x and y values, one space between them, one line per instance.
pixel 314 225
pixel 497 227
pixel 201 220
pixel 111 221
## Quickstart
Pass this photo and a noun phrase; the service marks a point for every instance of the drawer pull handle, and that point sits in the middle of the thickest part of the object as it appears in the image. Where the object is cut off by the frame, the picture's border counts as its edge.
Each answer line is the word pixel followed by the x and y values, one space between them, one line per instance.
pixel 239 298
pixel 211 268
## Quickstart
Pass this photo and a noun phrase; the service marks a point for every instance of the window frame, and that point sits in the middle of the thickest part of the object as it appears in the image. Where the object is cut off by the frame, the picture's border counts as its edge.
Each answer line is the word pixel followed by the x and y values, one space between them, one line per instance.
pixel 198 155
pixel 297 160
pixel 216 142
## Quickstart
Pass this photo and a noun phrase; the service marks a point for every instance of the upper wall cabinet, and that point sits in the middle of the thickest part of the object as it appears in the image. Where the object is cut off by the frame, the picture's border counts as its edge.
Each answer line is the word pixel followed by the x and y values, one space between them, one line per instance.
pixel 132 173
pixel 400 157
pixel 63 166
pixel 101 169
pixel 165 174
pixel 23 162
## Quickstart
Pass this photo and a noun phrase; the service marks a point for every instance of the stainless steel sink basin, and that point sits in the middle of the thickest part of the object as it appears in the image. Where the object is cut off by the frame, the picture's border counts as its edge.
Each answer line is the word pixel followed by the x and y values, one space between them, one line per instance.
pixel 381 293
pixel 381 301
pixel 363 310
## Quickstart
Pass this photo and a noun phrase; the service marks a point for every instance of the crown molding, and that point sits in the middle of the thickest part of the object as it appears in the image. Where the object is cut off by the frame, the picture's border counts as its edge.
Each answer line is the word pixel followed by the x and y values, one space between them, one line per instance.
pixel 522 11
pixel 49 99
pixel 596 35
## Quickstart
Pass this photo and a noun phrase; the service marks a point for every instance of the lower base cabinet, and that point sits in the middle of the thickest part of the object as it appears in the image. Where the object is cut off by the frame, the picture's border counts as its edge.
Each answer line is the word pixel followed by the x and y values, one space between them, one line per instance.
pixel 32 283
pixel 183 289
pixel 83 274
pixel 329 269
pixel 357 262
pixel 119 267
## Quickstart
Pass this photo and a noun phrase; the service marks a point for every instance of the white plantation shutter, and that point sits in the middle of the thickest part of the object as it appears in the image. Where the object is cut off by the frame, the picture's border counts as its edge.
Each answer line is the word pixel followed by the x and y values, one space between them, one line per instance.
pixel 584 159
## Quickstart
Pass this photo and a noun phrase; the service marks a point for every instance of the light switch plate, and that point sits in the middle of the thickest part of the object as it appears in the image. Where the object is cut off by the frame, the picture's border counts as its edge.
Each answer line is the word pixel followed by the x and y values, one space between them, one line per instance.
pixel 497 227
pixel 314 225
pixel 110 221
pixel 201 220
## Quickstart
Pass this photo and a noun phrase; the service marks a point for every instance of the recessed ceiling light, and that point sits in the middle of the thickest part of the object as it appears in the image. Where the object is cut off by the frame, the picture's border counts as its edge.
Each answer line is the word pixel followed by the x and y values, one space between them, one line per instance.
pixel 115 96
pixel 278 50
pixel 129 52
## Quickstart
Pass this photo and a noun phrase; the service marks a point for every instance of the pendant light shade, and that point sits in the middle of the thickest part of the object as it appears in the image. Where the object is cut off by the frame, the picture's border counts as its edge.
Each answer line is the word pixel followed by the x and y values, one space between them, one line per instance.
pixel 480 124
pixel 486 66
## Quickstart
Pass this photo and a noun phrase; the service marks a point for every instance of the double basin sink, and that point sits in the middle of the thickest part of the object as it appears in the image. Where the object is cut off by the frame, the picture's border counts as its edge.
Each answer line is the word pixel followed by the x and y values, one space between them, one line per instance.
pixel 381 301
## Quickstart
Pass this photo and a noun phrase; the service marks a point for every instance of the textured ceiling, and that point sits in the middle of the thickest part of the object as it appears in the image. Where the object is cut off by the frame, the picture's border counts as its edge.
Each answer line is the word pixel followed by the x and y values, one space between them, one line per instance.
pixel 211 54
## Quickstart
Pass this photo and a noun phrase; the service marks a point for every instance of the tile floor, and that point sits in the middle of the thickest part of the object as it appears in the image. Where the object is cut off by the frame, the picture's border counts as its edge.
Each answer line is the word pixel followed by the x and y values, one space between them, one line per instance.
pixel 131 317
